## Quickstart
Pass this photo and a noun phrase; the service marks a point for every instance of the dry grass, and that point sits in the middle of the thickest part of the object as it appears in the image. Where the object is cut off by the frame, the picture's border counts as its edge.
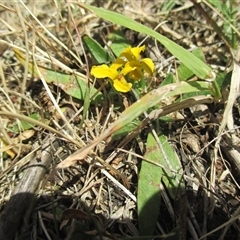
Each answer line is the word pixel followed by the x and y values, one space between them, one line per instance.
pixel 90 200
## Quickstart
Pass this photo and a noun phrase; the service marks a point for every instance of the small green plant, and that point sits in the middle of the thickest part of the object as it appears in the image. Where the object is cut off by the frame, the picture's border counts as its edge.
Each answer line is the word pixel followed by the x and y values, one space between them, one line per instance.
pixel 123 73
pixel 127 65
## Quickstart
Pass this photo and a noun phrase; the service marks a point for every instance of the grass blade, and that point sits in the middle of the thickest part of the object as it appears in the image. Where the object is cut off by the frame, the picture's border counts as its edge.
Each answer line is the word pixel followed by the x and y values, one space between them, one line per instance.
pixel 197 66
pixel 136 109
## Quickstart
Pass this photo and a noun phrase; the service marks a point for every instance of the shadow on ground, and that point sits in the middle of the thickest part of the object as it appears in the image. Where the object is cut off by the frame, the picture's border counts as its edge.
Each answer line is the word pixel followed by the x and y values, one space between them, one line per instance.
pixel 26 216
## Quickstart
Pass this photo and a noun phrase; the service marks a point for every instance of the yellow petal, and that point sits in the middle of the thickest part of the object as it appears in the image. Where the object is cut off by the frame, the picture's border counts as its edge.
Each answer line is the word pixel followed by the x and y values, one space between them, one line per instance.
pixel 104 71
pixel 148 65
pixel 133 64
pixel 136 51
pixel 127 53
pixel 136 74
pixel 128 68
pixel 118 63
pixel 136 70
pixel 122 85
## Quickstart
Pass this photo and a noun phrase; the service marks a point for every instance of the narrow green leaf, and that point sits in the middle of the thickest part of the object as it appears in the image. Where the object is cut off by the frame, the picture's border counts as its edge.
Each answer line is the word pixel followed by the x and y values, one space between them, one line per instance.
pixel 197 66
pixel 99 54
pixel 148 198
pixel 168 5
pixel 136 109
pixel 183 71
pixel 154 97
pixel 169 79
pixel 125 130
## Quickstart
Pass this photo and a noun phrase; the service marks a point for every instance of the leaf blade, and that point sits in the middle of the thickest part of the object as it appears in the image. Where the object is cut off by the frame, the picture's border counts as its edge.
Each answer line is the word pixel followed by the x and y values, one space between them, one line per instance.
pixel 197 66
pixel 97 51
pixel 148 198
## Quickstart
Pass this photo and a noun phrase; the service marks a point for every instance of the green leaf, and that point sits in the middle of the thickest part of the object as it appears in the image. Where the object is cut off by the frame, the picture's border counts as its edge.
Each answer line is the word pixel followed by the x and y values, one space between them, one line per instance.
pixel 70 84
pixel 136 109
pixel 223 79
pixel 119 42
pixel 183 71
pixel 168 5
pixel 25 125
pixel 197 66
pixel 125 130
pixel 99 54
pixel 169 79
pixel 73 85
pixel 172 173
pixel 148 197
pixel 154 97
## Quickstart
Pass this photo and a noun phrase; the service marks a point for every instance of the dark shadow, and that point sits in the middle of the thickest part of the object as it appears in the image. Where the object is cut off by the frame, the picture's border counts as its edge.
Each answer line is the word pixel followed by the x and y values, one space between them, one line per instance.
pixel 12 215
pixel 67 217
pixel 191 208
pixel 20 215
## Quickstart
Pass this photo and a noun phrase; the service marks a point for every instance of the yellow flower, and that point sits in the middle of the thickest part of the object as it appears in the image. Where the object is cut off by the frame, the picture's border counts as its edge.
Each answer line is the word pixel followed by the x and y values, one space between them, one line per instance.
pixel 130 64
pixel 131 57
pixel 118 79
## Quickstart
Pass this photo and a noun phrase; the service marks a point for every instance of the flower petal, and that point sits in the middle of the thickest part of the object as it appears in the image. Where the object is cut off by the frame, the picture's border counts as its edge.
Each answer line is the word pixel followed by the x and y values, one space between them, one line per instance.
pixel 127 69
pixel 127 53
pixel 122 85
pixel 148 65
pixel 104 71
pixel 137 74
pixel 136 51
pixel 118 63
